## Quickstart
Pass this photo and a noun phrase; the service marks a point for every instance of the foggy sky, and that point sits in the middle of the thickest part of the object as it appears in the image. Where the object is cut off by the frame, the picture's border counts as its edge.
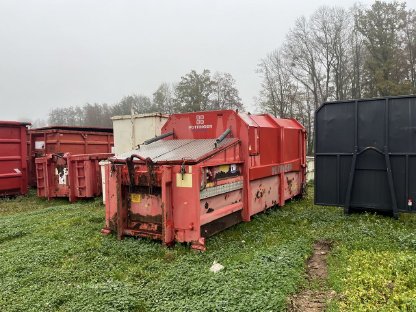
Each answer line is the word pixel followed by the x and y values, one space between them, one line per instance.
pixel 59 53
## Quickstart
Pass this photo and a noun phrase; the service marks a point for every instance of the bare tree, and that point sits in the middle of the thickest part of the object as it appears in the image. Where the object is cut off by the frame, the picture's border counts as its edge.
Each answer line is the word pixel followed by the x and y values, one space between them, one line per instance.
pixel 279 93
pixel 342 69
pixel 320 60
pixel 135 103
pixel 92 115
pixel 163 99
pixel 410 43
pixel 299 50
pixel 358 53
pixel 57 117
pixel 268 94
pixel 323 36
pixel 39 123
pixel 225 94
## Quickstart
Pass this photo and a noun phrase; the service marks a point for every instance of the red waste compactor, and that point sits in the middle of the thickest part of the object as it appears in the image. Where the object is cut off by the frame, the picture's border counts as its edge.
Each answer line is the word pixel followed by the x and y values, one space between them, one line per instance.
pixel 204 173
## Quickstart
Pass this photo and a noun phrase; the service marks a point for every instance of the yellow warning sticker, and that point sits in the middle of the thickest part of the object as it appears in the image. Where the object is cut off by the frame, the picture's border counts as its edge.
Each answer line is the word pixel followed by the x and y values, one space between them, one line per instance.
pixel 224 168
pixel 136 198
pixel 184 180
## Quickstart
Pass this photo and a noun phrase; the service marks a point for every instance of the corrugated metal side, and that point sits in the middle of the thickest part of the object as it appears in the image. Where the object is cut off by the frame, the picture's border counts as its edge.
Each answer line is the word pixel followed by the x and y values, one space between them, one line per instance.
pixel 55 141
pixel 13 158
pixel 71 176
pixel 85 175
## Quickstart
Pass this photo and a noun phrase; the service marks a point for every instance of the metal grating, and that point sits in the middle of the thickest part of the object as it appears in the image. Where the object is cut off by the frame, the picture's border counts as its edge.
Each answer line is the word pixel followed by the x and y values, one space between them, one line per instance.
pixel 221 189
pixel 176 150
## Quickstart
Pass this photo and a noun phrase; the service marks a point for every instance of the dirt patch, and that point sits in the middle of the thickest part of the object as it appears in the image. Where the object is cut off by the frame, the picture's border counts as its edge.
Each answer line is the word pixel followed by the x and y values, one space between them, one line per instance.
pixel 317 271
pixel 317 265
pixel 310 301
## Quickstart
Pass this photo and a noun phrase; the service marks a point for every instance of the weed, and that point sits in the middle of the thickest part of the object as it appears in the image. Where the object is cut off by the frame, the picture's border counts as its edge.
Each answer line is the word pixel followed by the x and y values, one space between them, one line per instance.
pixel 53 257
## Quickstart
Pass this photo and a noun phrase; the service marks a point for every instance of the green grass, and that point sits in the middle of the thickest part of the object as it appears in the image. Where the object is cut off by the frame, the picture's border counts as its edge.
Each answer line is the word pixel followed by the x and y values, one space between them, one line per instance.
pixel 53 258
pixel 13 205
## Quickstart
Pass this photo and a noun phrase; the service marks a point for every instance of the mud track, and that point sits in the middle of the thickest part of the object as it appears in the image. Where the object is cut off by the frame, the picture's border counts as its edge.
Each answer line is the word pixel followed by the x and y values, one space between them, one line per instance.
pixel 310 299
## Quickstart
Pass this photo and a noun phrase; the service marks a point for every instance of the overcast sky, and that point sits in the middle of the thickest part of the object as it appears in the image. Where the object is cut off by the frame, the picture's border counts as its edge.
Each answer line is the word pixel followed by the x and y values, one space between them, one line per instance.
pixel 61 53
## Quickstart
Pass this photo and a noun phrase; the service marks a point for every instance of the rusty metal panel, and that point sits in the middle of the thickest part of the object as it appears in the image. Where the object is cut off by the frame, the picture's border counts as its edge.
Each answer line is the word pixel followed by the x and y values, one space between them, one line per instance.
pixel 71 176
pixel 13 158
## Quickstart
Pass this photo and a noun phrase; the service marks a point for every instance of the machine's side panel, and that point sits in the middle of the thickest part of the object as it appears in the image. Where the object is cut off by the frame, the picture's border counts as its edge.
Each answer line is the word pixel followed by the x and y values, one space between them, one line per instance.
pixel 264 193
pixel 185 199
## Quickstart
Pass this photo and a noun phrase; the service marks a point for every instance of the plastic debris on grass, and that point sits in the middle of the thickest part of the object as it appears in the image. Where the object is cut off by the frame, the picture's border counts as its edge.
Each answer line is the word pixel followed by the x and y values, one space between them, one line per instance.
pixel 216 267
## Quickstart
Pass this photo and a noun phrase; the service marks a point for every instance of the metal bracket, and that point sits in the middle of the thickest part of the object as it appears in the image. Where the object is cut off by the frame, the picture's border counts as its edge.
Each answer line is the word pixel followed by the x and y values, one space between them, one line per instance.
pixel 183 170
pixel 130 169
pixel 391 184
pixel 388 172
pixel 350 182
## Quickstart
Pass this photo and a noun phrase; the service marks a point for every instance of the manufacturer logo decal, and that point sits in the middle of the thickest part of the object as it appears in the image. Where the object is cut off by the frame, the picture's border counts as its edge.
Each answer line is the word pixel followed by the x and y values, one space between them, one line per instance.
pixel 281 168
pixel 200 123
pixel 200 119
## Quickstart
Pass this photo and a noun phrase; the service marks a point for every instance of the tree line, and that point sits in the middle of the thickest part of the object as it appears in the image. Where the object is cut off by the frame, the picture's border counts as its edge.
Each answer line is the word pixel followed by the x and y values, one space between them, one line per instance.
pixel 194 92
pixel 334 54
pixel 338 54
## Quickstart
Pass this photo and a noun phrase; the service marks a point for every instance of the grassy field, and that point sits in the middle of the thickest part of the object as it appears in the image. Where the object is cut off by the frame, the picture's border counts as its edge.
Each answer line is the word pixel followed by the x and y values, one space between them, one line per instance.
pixel 53 258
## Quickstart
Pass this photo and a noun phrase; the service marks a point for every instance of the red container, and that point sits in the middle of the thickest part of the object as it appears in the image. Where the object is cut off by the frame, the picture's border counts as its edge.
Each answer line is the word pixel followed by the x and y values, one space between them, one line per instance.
pixel 72 176
pixel 208 171
pixel 13 158
pixel 61 140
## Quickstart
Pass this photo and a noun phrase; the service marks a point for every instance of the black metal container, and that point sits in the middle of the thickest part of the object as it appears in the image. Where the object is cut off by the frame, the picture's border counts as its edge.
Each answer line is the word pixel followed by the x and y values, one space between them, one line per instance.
pixel 365 154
